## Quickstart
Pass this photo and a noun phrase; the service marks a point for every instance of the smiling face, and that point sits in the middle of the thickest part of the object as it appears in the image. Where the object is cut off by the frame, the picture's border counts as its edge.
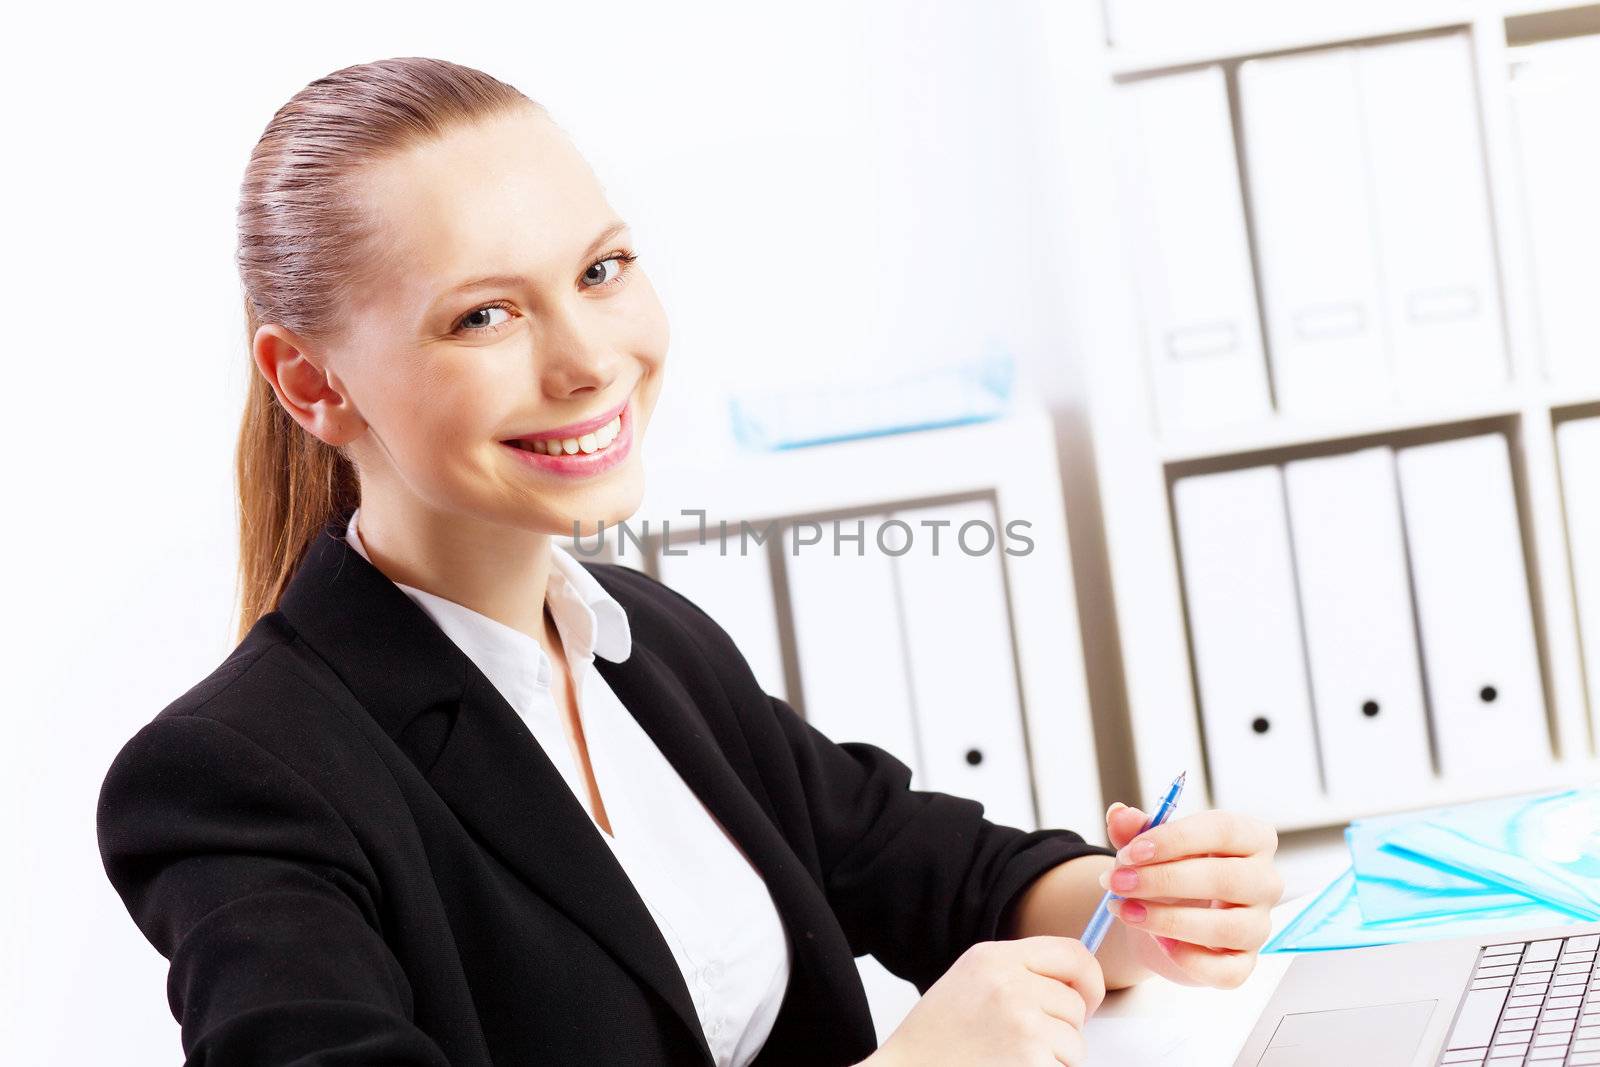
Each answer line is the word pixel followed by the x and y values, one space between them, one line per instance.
pixel 504 305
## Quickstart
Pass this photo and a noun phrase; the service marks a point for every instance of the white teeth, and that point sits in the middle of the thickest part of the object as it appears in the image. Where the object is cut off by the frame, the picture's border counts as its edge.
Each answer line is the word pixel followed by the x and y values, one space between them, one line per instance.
pixel 587 444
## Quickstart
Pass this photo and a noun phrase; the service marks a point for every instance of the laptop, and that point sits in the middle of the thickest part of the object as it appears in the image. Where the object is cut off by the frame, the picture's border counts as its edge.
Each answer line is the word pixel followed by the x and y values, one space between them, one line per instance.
pixel 1523 997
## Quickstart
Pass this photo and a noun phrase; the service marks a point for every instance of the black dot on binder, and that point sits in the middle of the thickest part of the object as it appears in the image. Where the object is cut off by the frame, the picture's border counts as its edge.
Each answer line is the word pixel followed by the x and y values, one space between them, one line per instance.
pixel 974 757
pixel 1370 708
pixel 1261 725
pixel 1488 694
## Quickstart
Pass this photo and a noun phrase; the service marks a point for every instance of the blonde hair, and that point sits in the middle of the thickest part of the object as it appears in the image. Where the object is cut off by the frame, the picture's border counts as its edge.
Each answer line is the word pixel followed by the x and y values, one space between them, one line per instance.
pixel 304 245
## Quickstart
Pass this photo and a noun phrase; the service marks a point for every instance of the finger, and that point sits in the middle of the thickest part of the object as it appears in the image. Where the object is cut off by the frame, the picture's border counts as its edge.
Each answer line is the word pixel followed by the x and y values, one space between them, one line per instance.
pixel 1222 968
pixel 1233 879
pixel 1244 928
pixel 1217 833
pixel 1123 824
pixel 1230 928
pixel 1066 960
pixel 1057 999
pixel 1068 1046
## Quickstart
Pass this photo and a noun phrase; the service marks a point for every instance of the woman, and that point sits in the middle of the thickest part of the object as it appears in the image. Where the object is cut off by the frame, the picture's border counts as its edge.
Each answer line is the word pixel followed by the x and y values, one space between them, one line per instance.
pixel 456 798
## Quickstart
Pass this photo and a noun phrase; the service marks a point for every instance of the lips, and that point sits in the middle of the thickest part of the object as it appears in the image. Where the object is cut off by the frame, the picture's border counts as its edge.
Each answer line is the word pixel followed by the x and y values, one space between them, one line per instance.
pixel 572 430
pixel 593 441
pixel 602 457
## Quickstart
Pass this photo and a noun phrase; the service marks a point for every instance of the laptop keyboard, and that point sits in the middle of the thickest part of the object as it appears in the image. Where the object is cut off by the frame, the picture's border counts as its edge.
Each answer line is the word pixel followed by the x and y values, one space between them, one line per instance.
pixel 1530 1002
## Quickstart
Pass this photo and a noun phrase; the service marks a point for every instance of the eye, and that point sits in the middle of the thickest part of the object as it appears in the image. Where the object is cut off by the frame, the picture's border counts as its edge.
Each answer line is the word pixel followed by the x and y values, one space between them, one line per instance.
pixel 467 323
pixel 623 262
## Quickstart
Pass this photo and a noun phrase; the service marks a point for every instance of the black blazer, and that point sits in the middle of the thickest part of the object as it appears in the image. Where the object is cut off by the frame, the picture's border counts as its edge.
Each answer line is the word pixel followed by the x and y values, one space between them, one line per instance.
pixel 351 849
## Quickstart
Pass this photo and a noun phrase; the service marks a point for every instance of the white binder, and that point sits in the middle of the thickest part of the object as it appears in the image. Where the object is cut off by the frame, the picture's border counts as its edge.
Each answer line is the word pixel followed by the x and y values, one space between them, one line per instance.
pixel 1579 444
pixel 1553 89
pixel 1305 156
pixel 1355 597
pixel 959 651
pixel 731 581
pixel 1244 626
pixel 1470 579
pixel 1202 336
pixel 848 640
pixel 852 672
pixel 1431 199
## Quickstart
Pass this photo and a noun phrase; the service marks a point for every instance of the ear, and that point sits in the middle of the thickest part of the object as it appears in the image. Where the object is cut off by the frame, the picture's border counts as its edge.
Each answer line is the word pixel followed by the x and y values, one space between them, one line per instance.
pixel 304 386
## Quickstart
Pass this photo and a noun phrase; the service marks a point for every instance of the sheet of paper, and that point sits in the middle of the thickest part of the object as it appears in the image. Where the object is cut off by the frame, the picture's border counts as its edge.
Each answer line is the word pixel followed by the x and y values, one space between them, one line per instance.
pixel 1120 1042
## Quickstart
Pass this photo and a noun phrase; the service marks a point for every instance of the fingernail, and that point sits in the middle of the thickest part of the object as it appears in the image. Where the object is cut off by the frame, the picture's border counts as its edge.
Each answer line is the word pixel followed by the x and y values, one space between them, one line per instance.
pixel 1166 943
pixel 1115 805
pixel 1124 879
pixel 1131 911
pixel 1105 879
pixel 1137 851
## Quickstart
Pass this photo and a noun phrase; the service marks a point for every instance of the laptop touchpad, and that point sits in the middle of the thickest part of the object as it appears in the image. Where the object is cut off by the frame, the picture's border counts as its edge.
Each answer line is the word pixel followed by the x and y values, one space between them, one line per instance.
pixel 1384 1035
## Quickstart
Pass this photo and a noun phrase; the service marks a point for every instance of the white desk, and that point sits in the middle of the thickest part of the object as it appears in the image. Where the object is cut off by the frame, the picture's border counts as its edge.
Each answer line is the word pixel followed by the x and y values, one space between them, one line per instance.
pixel 1160 1024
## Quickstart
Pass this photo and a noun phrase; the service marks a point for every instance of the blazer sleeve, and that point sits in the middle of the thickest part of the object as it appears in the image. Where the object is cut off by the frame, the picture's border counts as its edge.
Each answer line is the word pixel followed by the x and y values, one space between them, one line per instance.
pixel 915 877
pixel 257 892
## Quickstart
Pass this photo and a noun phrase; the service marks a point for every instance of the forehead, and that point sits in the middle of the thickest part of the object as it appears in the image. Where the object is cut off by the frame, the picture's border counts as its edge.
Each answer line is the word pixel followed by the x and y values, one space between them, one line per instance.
pixel 509 194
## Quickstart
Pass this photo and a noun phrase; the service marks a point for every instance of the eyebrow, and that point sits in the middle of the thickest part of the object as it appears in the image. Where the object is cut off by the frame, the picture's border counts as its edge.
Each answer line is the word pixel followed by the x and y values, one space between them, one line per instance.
pixel 616 227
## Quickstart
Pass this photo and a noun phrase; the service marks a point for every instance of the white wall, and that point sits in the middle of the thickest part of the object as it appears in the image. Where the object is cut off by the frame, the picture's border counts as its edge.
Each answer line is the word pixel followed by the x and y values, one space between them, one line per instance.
pixel 818 189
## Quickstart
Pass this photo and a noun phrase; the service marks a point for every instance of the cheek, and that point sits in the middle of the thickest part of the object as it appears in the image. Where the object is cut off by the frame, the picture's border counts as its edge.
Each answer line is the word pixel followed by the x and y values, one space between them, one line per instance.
pixel 648 326
pixel 649 345
pixel 441 420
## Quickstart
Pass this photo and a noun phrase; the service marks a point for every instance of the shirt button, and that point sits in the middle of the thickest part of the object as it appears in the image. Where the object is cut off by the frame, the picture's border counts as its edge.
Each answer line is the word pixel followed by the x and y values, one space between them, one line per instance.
pixel 712 971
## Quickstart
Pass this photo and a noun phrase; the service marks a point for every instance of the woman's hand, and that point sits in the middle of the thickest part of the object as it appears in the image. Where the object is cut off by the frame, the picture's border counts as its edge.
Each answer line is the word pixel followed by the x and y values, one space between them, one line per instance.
pixel 1002 1002
pixel 1200 887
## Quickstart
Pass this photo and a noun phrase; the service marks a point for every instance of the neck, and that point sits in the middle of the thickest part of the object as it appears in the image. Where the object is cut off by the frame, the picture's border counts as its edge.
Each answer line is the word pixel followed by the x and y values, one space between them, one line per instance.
pixel 499 571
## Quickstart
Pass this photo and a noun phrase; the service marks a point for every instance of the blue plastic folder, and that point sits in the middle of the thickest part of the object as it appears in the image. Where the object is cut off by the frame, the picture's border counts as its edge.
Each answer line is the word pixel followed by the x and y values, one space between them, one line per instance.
pixel 971 390
pixel 1531 860
pixel 1334 920
pixel 1392 885
pixel 1546 847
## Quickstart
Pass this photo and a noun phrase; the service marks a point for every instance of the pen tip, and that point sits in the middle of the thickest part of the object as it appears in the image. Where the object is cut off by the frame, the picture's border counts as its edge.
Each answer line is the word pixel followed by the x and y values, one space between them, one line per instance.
pixel 1183 777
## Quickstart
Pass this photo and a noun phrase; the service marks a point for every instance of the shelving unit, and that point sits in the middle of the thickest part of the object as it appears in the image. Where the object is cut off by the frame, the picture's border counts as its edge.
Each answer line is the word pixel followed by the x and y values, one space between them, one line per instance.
pixel 1136 463
pixel 1288 28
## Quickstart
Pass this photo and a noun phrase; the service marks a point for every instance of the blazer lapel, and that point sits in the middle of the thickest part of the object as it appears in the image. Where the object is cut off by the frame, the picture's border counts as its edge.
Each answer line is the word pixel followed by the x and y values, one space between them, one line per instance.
pixel 655 696
pixel 818 1002
pixel 491 771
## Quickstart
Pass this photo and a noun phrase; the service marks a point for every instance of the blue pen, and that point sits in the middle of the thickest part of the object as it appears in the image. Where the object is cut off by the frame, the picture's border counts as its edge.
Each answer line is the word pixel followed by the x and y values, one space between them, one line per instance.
pixel 1100 921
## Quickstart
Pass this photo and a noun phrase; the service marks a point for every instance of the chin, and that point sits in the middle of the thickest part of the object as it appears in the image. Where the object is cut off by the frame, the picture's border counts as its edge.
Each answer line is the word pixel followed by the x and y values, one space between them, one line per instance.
pixel 612 506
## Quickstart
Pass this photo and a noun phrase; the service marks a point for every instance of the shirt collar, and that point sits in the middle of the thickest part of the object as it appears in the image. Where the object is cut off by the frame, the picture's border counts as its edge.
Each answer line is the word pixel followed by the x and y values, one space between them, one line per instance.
pixel 589 618
pixel 613 639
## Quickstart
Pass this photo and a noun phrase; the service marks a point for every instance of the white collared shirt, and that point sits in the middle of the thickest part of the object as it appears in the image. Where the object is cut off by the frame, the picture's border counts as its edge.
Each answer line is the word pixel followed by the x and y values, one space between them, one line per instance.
pixel 712 906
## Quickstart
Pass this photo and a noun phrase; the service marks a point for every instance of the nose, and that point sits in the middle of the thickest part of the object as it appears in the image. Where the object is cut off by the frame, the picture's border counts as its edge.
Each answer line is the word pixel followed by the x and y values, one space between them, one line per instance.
pixel 577 362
